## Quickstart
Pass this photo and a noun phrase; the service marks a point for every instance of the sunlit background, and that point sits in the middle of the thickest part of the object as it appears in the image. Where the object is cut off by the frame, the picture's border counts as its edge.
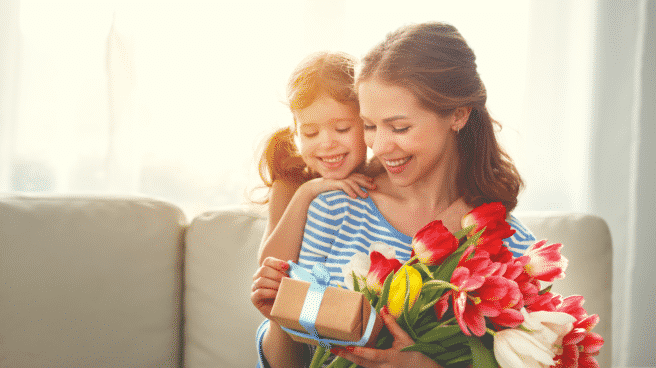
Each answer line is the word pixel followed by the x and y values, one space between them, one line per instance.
pixel 172 99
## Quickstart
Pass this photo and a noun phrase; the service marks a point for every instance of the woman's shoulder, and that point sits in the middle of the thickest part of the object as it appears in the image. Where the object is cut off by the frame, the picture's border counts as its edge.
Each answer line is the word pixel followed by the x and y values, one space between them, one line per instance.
pixel 521 239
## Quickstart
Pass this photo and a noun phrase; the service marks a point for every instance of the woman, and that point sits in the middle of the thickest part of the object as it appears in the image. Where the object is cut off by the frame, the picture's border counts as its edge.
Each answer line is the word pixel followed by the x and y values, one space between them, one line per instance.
pixel 423 107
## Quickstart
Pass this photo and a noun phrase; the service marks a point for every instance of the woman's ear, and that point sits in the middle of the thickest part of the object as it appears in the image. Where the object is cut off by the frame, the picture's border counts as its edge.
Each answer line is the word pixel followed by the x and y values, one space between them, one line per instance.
pixel 460 117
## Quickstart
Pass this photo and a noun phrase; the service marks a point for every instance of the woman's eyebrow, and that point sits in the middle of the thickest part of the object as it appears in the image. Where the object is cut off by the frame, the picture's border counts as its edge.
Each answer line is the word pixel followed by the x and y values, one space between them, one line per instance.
pixel 388 120
pixel 394 118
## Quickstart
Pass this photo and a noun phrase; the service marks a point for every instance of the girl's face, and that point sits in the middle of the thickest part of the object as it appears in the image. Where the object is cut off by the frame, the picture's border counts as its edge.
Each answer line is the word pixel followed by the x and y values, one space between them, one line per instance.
pixel 330 138
pixel 413 143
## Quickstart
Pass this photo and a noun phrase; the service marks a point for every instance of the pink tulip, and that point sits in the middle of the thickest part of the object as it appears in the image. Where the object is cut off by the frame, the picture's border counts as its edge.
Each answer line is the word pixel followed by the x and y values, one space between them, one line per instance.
pixel 546 263
pixel 433 243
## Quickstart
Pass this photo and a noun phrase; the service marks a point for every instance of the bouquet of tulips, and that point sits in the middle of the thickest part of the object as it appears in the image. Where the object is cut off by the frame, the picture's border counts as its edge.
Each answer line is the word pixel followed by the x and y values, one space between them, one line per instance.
pixel 467 301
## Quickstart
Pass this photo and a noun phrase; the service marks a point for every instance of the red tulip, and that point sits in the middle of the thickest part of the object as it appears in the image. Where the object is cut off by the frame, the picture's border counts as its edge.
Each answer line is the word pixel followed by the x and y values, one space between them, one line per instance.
pixel 483 290
pixel 492 217
pixel 433 243
pixel 379 270
pixel 580 346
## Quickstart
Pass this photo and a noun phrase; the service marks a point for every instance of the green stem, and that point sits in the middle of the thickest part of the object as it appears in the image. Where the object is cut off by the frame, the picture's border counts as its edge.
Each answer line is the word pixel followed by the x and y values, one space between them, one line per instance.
pixel 447 322
pixel 338 362
pixel 491 332
pixel 408 262
pixel 320 356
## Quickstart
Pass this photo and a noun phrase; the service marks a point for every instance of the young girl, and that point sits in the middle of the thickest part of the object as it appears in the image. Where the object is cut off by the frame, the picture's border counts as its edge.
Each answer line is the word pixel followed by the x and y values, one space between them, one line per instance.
pixel 331 150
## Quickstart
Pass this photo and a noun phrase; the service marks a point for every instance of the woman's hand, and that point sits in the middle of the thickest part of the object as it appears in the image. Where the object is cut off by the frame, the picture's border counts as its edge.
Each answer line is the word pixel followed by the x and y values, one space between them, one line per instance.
pixel 266 282
pixel 392 357
pixel 351 185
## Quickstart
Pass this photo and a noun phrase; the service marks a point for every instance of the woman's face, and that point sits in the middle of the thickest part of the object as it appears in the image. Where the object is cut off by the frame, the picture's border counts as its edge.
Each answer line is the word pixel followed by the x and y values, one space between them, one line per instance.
pixel 330 138
pixel 412 142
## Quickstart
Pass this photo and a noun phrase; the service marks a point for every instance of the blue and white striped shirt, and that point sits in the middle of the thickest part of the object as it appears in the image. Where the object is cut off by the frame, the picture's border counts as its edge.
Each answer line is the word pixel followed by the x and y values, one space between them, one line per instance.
pixel 339 226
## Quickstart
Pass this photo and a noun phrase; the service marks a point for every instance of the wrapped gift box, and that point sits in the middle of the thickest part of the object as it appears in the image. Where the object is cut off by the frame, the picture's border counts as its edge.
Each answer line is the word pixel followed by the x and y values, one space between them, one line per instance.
pixel 343 314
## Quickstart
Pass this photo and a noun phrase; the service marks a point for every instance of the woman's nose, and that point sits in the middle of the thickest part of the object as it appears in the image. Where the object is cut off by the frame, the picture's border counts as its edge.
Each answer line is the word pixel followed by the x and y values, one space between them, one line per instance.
pixel 382 143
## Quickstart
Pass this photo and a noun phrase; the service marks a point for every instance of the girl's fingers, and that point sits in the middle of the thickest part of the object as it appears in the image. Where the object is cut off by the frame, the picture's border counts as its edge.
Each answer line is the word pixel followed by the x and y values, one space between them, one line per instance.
pixel 265 283
pixel 277 264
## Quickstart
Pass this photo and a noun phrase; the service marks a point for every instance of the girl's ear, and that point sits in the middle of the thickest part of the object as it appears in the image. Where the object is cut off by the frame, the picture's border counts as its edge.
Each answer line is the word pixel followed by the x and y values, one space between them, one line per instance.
pixel 460 117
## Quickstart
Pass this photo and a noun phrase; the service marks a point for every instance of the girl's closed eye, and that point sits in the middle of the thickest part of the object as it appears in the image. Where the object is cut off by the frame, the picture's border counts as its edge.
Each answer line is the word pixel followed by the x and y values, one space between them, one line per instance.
pixel 343 129
pixel 400 129
pixel 369 127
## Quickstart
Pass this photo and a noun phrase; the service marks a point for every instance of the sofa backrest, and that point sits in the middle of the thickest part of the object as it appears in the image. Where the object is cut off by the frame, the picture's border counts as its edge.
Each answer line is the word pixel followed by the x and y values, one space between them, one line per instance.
pixel 90 282
pixel 221 257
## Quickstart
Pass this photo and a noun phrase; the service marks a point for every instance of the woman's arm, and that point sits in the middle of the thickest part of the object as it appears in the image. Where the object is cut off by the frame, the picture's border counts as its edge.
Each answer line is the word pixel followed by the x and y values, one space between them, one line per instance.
pixel 288 208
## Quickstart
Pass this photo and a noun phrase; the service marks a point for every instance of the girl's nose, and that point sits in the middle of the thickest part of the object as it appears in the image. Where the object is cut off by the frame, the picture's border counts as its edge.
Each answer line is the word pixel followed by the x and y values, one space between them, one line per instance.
pixel 327 140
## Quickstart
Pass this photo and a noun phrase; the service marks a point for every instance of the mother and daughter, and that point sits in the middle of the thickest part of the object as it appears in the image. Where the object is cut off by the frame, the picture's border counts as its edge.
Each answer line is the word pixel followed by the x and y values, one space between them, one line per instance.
pixel 419 104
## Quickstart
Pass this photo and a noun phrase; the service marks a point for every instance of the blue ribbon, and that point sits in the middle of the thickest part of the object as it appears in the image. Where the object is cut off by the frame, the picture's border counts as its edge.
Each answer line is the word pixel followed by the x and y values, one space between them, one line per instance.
pixel 319 279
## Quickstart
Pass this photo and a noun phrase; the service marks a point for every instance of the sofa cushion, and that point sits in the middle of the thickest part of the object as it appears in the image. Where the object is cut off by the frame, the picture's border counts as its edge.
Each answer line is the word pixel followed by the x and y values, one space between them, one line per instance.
pixel 587 245
pixel 221 257
pixel 90 282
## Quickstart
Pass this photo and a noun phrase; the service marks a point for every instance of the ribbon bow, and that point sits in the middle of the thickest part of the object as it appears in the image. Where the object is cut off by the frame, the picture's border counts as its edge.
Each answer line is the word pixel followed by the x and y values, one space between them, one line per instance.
pixel 319 279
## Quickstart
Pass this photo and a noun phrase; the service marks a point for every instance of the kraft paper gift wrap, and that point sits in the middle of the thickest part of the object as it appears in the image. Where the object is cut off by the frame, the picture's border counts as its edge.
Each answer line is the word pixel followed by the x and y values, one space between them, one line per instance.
pixel 342 318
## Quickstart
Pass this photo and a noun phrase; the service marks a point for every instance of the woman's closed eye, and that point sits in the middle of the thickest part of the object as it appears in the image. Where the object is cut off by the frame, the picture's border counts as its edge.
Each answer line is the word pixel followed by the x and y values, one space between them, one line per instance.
pixel 343 129
pixel 400 130
pixel 369 127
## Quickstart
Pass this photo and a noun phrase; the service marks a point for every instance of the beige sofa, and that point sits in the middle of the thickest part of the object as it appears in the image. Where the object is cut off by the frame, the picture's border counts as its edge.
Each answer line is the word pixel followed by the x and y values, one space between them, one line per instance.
pixel 129 282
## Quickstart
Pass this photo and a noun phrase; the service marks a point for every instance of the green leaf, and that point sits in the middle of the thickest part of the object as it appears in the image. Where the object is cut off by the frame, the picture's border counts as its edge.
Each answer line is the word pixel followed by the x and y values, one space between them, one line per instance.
pixel 460 234
pixel 425 348
pixel 460 359
pixel 453 354
pixel 439 333
pixel 482 357
pixel 356 283
pixel 424 328
pixel 385 294
pixel 457 339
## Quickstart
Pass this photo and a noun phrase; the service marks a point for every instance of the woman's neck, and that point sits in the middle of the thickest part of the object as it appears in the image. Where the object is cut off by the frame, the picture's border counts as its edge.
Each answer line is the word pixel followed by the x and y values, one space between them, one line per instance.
pixel 409 208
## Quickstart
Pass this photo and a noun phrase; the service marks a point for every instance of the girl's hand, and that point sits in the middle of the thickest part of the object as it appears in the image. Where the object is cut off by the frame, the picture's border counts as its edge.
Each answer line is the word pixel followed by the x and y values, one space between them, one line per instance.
pixel 266 282
pixel 351 185
pixel 392 357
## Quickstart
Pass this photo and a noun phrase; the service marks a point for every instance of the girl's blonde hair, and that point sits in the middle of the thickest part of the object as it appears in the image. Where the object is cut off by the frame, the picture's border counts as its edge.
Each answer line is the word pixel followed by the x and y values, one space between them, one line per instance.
pixel 322 73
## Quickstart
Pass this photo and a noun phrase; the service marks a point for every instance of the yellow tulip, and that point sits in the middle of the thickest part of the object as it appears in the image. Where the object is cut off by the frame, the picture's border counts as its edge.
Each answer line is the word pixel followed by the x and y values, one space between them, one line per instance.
pixel 396 299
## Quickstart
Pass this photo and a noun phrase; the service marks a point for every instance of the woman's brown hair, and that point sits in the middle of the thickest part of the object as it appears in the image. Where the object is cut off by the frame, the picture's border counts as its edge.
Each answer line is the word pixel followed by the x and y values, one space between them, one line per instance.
pixel 434 62
pixel 319 74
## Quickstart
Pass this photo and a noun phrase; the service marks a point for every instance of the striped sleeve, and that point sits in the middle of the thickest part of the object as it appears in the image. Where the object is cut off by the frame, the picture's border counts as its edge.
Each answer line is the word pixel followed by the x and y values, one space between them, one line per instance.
pixel 521 240
pixel 259 335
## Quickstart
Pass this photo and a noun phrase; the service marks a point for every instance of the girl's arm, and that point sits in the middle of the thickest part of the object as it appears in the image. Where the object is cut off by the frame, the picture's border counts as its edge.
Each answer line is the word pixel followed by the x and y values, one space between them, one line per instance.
pixel 277 348
pixel 288 206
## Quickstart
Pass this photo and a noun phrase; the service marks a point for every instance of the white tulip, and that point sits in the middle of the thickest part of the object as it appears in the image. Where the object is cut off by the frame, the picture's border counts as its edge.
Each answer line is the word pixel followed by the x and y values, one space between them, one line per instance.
pixel 536 348
pixel 514 348
pixel 360 263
